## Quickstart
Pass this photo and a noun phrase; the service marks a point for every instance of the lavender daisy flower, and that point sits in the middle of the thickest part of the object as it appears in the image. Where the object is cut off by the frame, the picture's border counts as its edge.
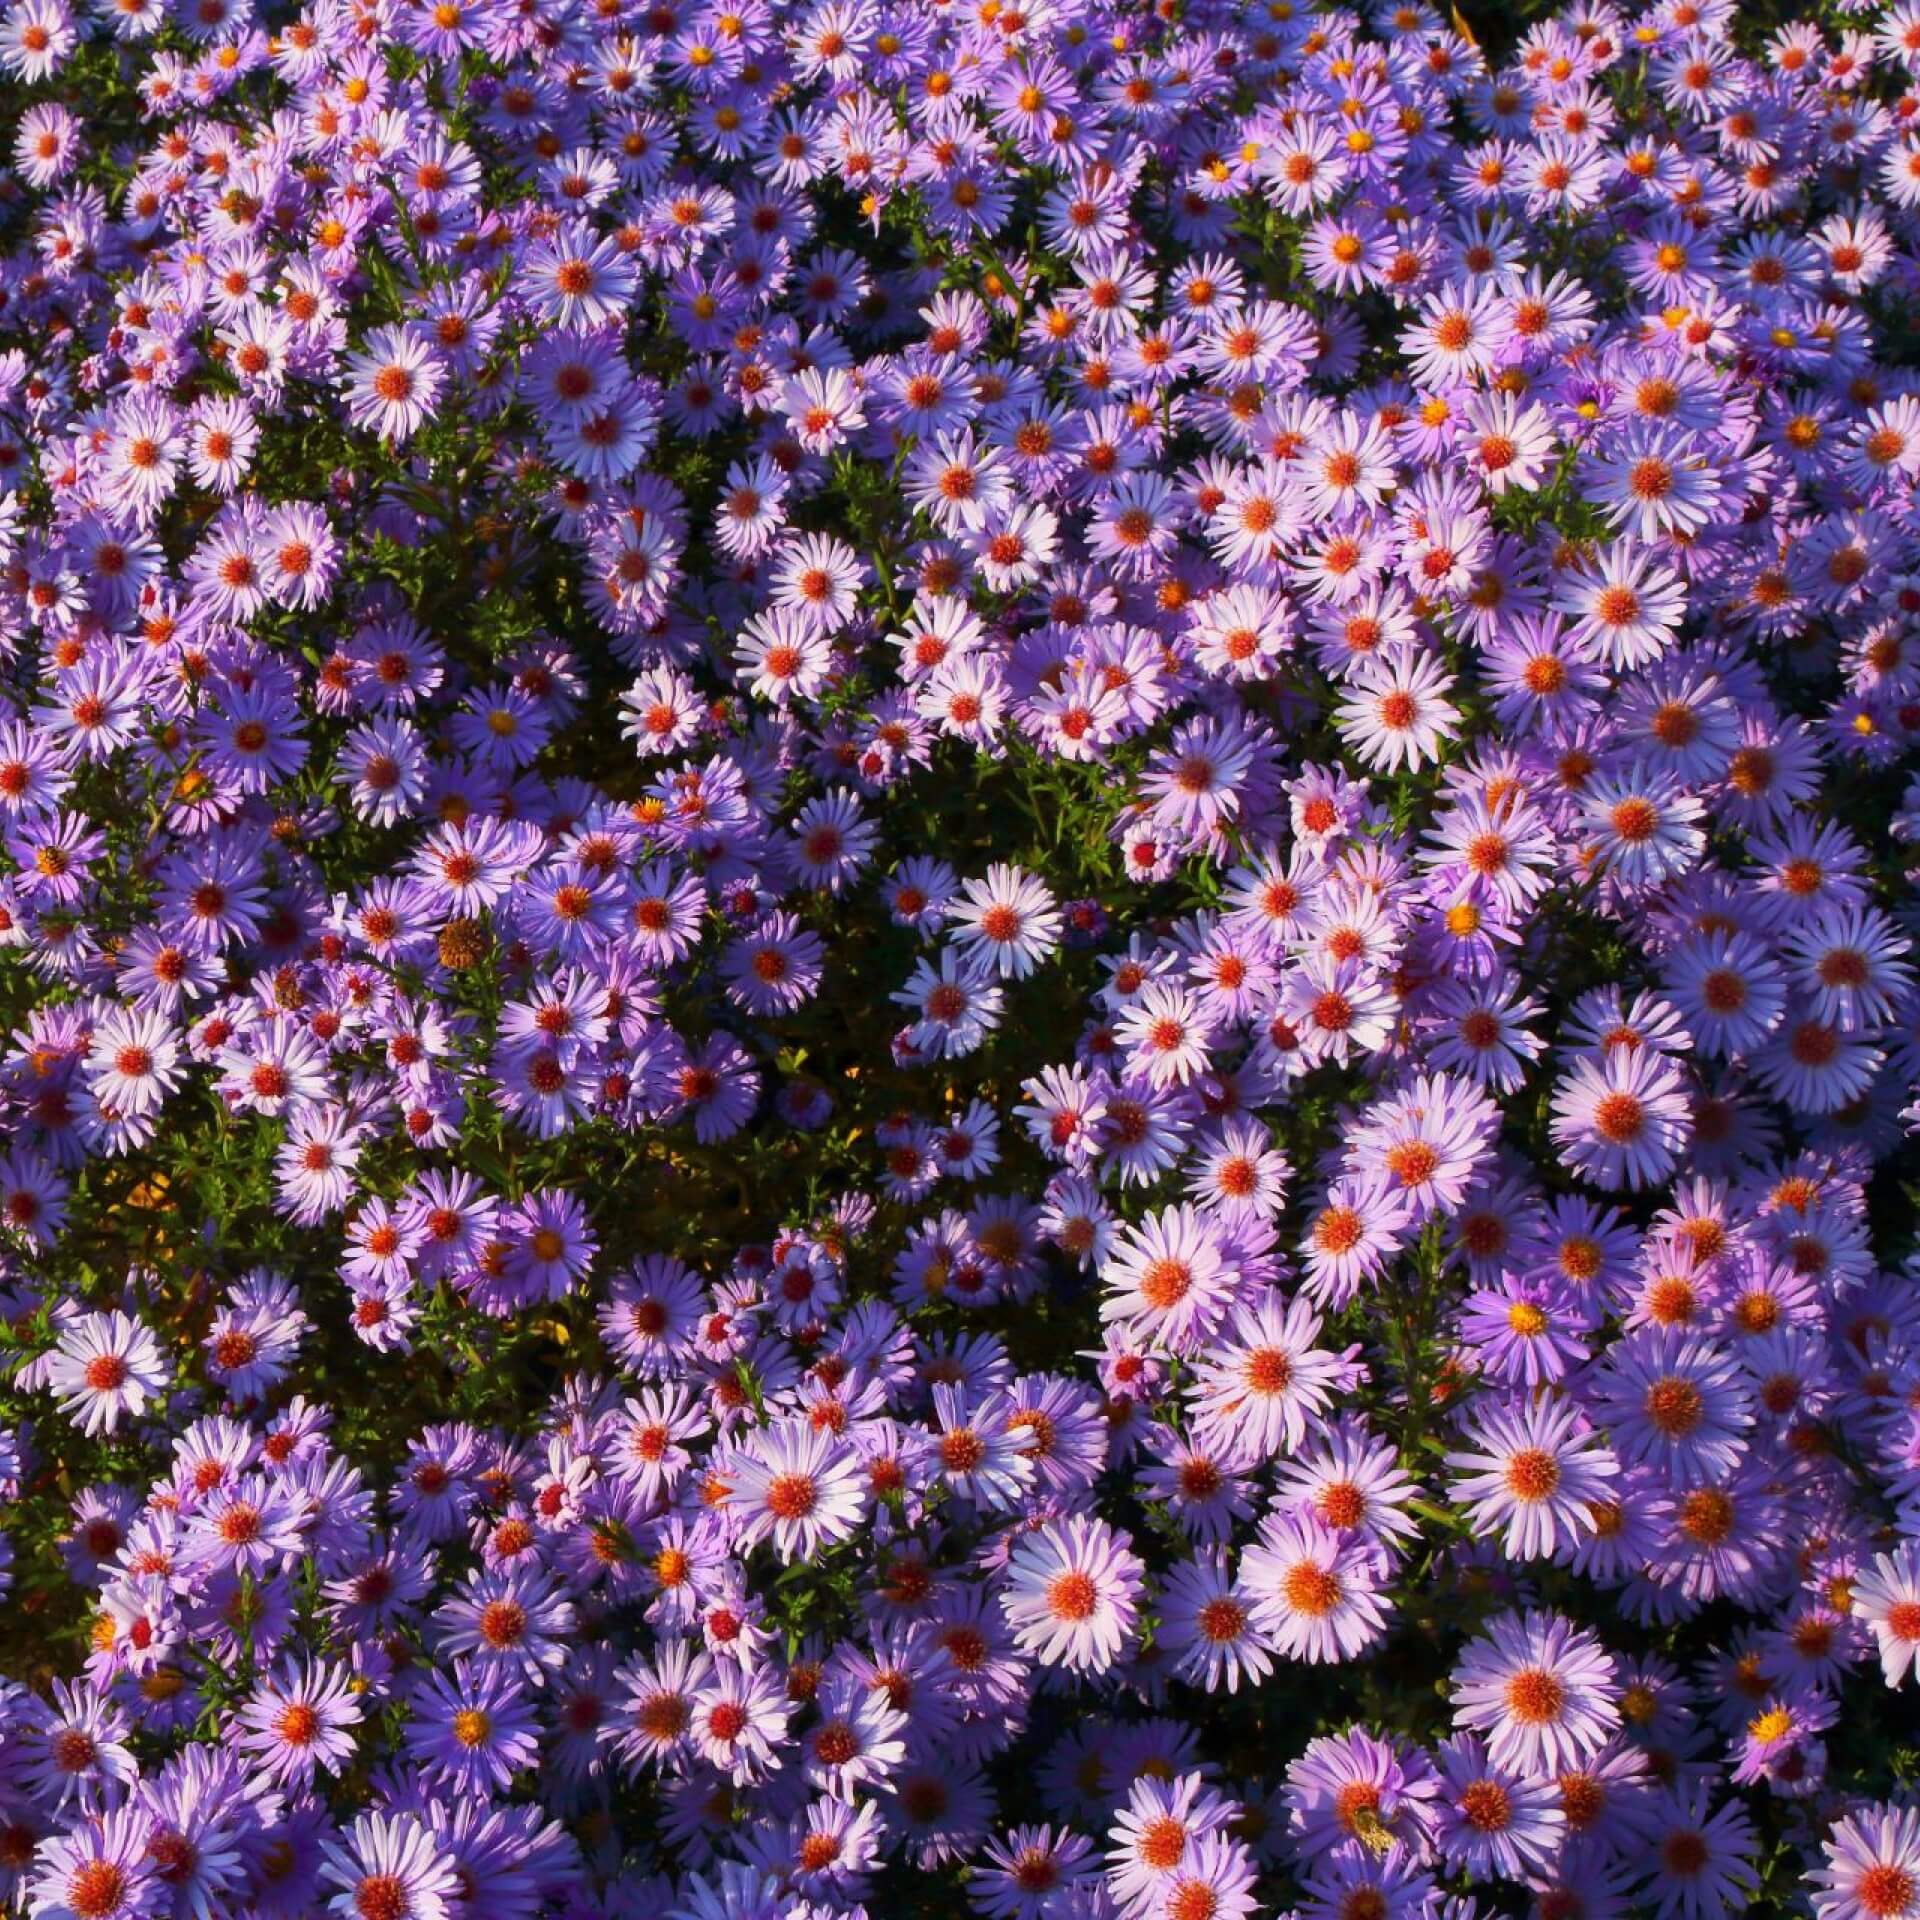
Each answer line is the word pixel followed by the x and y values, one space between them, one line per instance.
pixel 798 1487
pixel 1675 1400
pixel 1623 1120
pixel 474 1728
pixel 1887 1598
pixel 1009 918
pixel 1537 1468
pixel 1171 1278
pixel 1542 1692
pixel 1207 1624
pixel 1872 1869
pixel 1265 1383
pixel 394 383
pixel 107 1366
pixel 1314 1594
pixel 390 1867
pixel 1354 1786
pixel 1701 1863
pixel 98 1871
pixel 299 1721
pixel 1492 1821
pixel 1072 1592
pixel 516 1618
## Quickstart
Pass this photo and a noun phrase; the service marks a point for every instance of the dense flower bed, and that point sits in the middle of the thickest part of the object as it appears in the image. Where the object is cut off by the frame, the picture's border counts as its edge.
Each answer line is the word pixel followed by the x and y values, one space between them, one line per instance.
pixel 957 960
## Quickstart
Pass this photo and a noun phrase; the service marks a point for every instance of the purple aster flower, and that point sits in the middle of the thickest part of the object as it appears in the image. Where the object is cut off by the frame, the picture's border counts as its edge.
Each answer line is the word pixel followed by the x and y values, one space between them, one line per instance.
pixel 100 1870
pixel 1542 1692
pixel 1675 1400
pixel 1701 1863
pixel 798 1487
pixel 1315 1594
pixel 1872 1869
pixel 517 1618
pixel 474 1728
pixel 1072 1593
pixel 1622 1120
pixel 389 1866
pixel 1491 1821
pixel 106 1367
pixel 299 1720
pixel 1536 1467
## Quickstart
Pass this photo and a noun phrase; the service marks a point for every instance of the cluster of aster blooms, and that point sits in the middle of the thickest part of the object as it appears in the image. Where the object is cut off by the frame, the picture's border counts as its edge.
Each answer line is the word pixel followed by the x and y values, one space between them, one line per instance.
pixel 956 960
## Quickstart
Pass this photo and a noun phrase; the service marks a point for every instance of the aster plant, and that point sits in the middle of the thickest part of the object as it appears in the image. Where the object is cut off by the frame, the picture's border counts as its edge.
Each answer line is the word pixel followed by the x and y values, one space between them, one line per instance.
pixel 958 959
